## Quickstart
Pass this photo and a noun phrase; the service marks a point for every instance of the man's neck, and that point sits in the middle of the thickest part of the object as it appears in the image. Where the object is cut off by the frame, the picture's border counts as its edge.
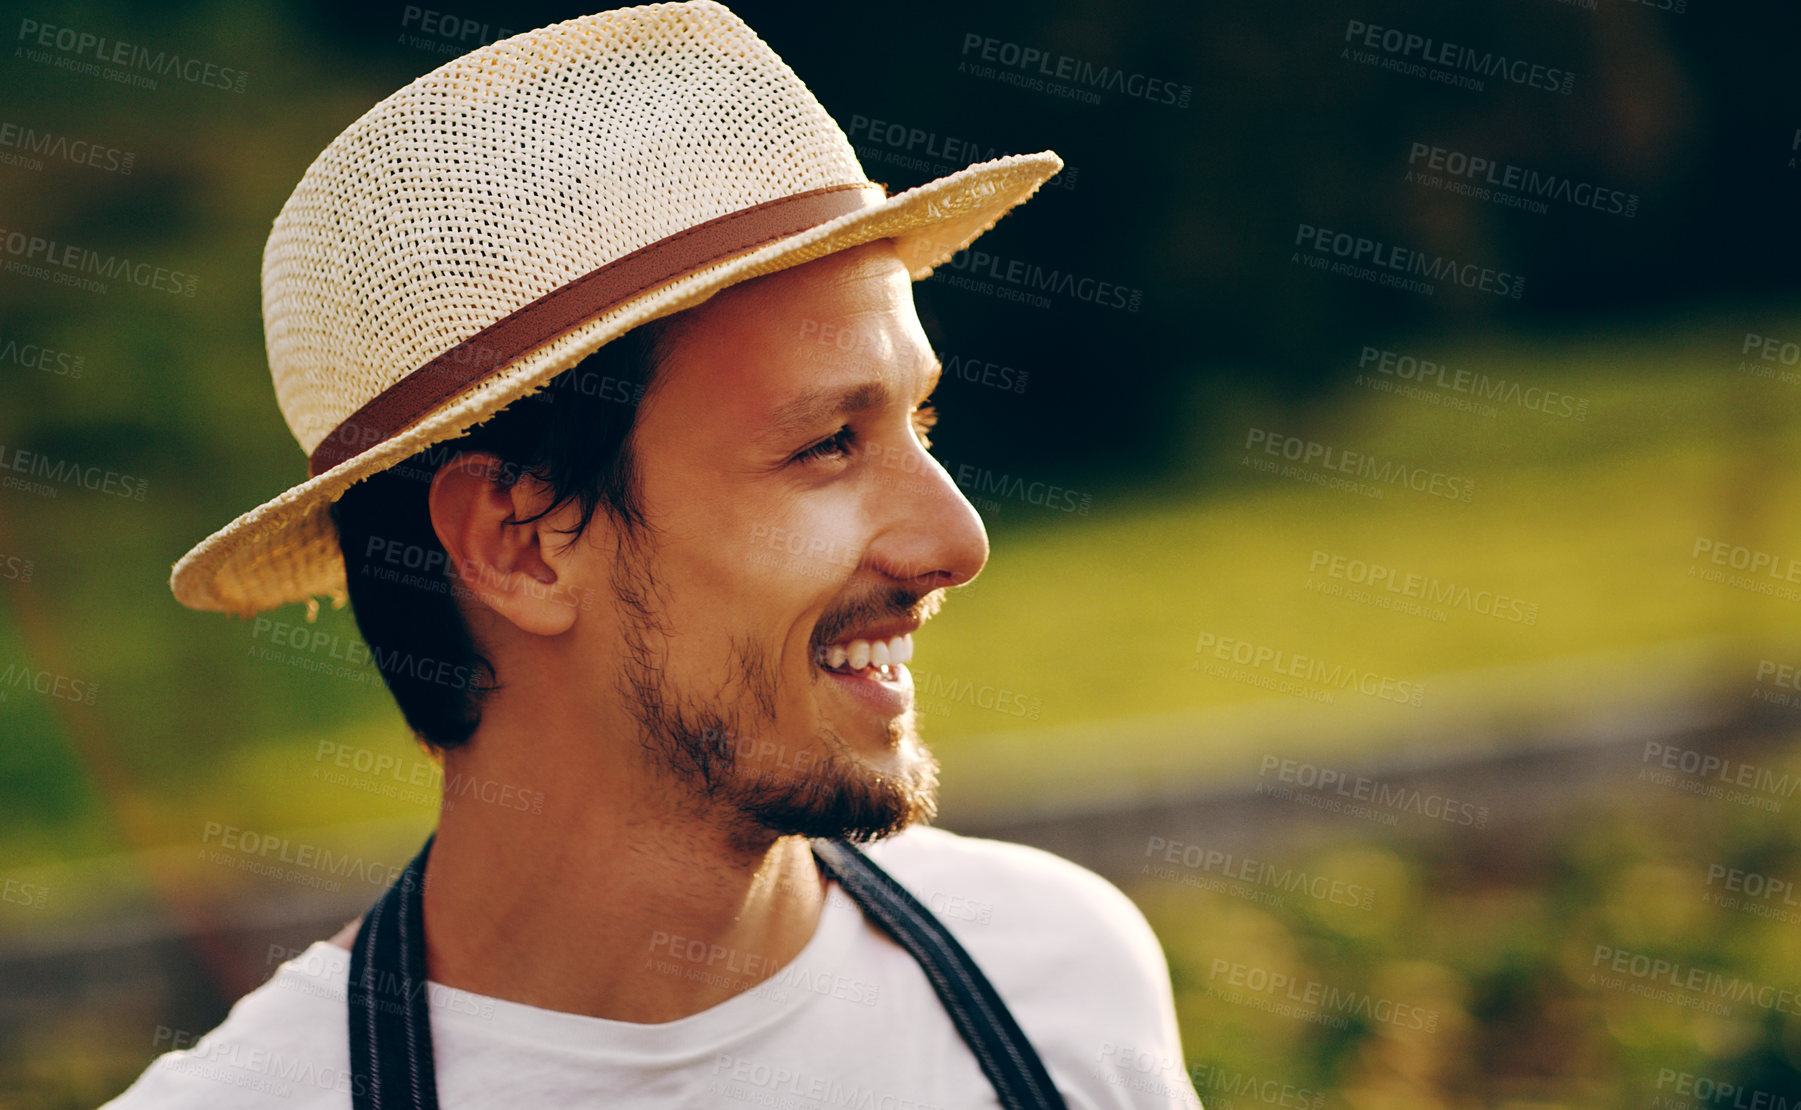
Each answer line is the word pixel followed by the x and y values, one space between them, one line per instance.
pixel 562 887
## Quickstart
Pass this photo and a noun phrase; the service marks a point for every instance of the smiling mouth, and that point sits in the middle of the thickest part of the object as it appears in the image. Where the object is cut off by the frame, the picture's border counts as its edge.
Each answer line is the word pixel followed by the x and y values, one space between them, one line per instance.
pixel 874 659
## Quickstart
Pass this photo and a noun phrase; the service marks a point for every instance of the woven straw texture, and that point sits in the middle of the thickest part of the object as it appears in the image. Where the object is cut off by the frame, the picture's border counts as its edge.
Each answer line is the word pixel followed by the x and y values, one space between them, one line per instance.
pixel 509 173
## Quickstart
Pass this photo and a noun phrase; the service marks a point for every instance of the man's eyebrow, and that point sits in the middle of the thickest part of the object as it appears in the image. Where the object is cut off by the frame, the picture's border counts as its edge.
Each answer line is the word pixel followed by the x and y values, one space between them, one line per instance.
pixel 814 407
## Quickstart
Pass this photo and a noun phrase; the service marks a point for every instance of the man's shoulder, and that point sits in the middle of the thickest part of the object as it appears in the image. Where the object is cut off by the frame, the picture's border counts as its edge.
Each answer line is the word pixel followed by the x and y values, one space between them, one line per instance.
pixel 283 1044
pixel 1073 957
pixel 1030 879
pixel 994 894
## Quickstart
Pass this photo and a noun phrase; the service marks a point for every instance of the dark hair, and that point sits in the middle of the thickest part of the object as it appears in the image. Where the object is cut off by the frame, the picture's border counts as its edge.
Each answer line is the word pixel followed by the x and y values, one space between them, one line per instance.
pixel 573 435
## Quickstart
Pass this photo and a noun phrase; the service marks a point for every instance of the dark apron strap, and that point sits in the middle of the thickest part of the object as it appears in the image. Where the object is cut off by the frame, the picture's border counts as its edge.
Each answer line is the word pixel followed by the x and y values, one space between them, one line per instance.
pixel 1000 1045
pixel 390 1016
pixel 391 1064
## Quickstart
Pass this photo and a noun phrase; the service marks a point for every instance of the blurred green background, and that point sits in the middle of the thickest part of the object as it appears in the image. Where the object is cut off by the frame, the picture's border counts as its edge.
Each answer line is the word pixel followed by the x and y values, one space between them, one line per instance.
pixel 1084 692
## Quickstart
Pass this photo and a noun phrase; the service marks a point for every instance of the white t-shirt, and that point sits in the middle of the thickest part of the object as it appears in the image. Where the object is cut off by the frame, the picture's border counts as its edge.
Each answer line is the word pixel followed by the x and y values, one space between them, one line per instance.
pixel 852 1021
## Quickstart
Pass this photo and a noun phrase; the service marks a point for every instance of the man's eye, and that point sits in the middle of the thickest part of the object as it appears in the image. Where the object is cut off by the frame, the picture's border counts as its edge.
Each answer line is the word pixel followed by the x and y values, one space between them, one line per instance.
pixel 833 447
pixel 925 418
pixel 837 445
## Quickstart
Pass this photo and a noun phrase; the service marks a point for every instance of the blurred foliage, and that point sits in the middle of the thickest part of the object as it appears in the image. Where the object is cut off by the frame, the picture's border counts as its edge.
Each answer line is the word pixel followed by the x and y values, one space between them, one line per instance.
pixel 1505 940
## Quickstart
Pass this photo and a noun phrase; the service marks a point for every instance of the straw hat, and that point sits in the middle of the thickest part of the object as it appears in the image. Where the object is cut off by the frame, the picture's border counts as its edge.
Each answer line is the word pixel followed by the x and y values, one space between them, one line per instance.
pixel 499 219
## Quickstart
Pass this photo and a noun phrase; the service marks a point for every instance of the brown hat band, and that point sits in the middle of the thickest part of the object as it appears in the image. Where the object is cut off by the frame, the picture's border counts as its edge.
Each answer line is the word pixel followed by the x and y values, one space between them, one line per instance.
pixel 501 343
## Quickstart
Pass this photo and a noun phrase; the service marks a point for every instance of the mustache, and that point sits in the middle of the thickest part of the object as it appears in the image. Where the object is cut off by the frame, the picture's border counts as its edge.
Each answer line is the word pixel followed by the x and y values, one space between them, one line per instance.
pixel 892 603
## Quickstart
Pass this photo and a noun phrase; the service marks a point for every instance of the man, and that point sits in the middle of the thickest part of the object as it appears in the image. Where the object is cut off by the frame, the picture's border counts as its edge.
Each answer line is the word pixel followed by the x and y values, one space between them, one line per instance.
pixel 549 323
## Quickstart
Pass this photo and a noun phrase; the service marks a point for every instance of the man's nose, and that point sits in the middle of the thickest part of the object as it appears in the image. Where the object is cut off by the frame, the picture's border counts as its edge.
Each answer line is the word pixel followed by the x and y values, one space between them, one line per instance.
pixel 932 537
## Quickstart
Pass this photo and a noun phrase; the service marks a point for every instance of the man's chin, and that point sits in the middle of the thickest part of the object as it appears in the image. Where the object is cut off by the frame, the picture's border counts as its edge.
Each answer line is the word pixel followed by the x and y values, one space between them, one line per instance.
pixel 845 796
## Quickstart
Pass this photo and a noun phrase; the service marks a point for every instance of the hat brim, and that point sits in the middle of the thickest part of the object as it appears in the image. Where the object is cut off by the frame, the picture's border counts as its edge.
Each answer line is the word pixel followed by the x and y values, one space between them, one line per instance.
pixel 286 550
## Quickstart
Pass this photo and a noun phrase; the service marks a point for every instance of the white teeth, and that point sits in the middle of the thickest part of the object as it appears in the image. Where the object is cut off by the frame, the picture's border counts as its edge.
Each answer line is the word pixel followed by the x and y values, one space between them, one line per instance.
pixel 858 654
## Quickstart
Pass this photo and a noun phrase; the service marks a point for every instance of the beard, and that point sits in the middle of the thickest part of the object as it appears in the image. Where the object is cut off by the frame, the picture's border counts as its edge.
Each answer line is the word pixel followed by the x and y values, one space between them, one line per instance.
pixel 823 790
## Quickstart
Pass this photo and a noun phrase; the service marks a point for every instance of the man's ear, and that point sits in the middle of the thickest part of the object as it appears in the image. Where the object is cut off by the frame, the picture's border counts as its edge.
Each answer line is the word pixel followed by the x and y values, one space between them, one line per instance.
pixel 520 571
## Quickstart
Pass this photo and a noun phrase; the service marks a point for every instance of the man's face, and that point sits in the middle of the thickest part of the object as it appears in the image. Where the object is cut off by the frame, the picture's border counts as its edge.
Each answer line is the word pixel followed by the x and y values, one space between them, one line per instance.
pixel 797 524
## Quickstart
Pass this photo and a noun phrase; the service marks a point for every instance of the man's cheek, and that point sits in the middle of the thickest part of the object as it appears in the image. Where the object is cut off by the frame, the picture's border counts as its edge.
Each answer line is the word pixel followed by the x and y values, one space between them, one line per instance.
pixel 818 549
